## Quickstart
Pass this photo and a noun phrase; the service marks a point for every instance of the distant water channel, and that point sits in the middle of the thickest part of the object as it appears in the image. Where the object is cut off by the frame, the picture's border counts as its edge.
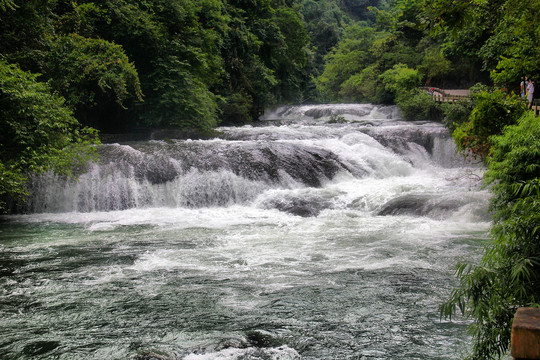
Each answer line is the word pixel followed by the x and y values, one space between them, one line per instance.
pixel 325 232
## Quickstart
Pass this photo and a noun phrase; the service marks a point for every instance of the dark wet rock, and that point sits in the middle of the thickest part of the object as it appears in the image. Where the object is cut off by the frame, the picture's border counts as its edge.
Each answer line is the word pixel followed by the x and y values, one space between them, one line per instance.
pixel 151 356
pixel 255 161
pixel 269 162
pixel 420 204
pixel 302 206
pixel 406 204
pixel 319 112
pixel 262 339
pixel 40 347
pixel 399 141
pixel 231 343
pixel 205 174
pixel 155 166
pixel 8 267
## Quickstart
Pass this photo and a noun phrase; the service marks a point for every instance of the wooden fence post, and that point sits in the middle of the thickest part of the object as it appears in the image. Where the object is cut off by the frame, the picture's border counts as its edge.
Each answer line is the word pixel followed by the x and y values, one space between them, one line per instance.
pixel 525 339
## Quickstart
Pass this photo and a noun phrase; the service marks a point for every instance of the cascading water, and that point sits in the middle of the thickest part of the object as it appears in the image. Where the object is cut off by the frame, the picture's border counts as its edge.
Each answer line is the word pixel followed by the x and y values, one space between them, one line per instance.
pixel 324 232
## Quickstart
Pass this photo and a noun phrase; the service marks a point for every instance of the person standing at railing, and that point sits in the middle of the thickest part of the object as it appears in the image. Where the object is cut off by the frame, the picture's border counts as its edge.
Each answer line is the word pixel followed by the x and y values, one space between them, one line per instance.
pixel 523 85
pixel 530 93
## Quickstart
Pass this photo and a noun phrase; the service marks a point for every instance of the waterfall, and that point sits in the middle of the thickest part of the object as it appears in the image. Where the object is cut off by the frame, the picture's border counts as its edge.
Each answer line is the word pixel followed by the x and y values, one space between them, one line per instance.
pixel 320 232
pixel 309 151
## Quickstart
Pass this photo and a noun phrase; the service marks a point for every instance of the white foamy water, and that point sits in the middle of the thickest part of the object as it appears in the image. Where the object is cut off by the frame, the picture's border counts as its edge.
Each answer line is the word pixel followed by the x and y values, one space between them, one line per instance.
pixel 298 238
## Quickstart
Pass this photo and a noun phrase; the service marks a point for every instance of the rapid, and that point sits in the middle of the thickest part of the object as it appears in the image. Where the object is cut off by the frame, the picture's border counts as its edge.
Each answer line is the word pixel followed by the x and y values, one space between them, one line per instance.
pixel 320 232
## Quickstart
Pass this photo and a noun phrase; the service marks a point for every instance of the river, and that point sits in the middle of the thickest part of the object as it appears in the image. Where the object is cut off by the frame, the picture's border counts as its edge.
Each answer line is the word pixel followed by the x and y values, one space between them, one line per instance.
pixel 321 232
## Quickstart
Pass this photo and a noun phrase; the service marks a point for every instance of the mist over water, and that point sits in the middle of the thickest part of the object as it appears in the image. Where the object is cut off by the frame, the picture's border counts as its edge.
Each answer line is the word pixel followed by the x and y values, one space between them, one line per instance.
pixel 322 232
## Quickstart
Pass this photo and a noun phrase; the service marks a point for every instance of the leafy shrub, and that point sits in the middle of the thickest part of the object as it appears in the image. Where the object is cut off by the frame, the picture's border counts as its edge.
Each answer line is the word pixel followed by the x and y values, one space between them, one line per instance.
pixel 455 114
pixel 508 276
pixel 37 133
pixel 492 112
pixel 362 86
pixel 418 105
pixel 514 163
pixel 400 79
pixel 237 109
pixel 82 69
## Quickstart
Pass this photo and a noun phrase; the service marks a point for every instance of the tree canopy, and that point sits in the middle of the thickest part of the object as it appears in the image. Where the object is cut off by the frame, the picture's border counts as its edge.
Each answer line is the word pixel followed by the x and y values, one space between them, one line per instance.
pixel 181 63
pixel 451 44
pixel 38 133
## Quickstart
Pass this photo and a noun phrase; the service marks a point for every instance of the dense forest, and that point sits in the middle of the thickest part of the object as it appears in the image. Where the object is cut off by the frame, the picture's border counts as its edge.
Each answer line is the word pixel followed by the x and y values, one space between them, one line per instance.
pixel 72 69
pixel 194 64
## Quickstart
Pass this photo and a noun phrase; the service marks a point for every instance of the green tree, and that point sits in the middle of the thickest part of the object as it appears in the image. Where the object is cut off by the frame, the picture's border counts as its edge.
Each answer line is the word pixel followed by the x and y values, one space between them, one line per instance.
pixel 289 58
pixel 265 58
pixel 359 9
pixel 83 69
pixel 435 66
pixel 364 86
pixel 396 37
pixel 91 73
pixel 508 275
pixel 175 47
pixel 180 98
pixel 492 112
pixel 401 85
pixel 245 72
pixel 325 23
pixel 24 29
pixel 351 56
pixel 514 45
pixel 496 38
pixel 7 5
pixel 37 133
pixel 400 79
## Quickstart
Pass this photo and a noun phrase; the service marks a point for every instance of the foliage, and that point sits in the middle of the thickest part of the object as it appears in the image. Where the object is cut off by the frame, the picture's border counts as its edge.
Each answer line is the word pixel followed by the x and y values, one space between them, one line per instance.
pixel 514 43
pixel 400 79
pixel 37 133
pixel 364 87
pixel 180 99
pixel 451 43
pixel 455 114
pixel 174 45
pixel 325 21
pixel 509 273
pixel 418 105
pixel 7 5
pixel 80 69
pixel 348 59
pixel 514 163
pixel 185 56
pixel 236 109
pixel 497 38
pixel 401 87
pixel 369 50
pixel 23 32
pixel 492 112
pixel 289 56
pixel 435 65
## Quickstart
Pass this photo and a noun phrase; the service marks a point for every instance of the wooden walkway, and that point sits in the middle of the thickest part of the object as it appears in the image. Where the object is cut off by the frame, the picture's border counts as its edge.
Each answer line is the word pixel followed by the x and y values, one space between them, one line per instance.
pixel 440 95
pixel 451 96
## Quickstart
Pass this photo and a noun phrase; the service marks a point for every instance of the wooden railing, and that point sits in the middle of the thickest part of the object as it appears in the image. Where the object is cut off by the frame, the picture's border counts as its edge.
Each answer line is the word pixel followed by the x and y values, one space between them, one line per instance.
pixel 442 96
